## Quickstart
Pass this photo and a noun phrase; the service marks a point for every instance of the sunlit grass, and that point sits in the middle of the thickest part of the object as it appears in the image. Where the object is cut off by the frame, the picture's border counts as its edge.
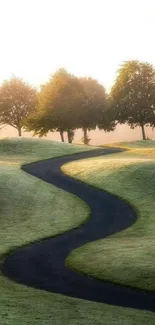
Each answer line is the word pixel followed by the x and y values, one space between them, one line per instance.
pixel 127 257
pixel 140 144
pixel 29 205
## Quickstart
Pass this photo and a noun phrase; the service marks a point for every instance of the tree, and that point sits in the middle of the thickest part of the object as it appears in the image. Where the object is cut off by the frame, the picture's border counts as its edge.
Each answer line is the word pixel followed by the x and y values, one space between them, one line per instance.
pixel 17 101
pixel 70 135
pixel 93 112
pixel 133 95
pixel 59 102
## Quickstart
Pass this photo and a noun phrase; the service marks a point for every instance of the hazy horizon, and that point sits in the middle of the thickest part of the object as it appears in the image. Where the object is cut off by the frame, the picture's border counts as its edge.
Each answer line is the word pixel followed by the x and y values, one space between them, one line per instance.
pixel 122 133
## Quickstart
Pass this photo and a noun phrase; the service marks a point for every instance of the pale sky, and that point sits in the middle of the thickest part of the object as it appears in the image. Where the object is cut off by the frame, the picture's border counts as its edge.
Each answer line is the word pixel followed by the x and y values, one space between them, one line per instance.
pixel 87 37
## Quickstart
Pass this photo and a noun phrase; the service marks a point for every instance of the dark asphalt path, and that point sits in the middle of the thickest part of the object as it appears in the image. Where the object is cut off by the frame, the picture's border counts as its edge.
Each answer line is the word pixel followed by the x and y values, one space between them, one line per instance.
pixel 41 265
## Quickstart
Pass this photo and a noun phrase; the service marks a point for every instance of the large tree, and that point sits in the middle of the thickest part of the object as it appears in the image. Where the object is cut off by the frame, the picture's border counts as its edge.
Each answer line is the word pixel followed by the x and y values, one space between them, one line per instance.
pixel 94 111
pixel 133 94
pixel 17 101
pixel 60 99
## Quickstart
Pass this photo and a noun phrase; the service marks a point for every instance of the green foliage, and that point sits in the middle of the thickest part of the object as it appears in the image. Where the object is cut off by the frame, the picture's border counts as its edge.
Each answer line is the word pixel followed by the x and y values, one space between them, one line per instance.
pixel 17 101
pixel 95 111
pixel 67 103
pixel 95 103
pixel 59 102
pixel 133 94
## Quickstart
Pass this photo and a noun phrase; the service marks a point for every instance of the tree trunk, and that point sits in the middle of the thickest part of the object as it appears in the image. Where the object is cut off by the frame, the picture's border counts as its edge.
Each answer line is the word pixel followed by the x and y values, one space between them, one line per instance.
pixel 143 132
pixel 70 135
pixel 20 131
pixel 62 136
pixel 85 137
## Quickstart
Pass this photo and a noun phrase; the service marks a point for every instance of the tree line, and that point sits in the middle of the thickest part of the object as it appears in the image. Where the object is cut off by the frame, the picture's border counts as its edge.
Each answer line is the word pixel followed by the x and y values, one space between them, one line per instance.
pixel 66 103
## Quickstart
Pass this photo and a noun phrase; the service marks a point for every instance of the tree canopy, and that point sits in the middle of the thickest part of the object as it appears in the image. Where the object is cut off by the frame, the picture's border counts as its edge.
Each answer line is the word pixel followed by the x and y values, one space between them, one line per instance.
pixel 17 101
pixel 60 100
pixel 94 111
pixel 133 94
pixel 66 102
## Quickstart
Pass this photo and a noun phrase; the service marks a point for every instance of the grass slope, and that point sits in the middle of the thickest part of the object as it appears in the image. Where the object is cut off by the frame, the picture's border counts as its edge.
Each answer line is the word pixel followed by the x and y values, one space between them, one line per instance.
pixel 27 212
pixel 127 257
pixel 27 203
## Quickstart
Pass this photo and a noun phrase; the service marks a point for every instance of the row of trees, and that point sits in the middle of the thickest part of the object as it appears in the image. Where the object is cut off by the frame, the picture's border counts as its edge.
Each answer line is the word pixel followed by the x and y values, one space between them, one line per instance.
pixel 66 103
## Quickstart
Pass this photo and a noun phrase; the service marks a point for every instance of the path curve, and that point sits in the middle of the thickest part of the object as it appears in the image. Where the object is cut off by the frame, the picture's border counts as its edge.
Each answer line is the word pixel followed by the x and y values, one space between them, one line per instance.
pixel 41 265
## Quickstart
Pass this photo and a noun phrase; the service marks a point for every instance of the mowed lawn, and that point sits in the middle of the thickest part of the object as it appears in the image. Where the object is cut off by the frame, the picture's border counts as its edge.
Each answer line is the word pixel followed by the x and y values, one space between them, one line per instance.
pixel 128 257
pixel 30 209
pixel 27 203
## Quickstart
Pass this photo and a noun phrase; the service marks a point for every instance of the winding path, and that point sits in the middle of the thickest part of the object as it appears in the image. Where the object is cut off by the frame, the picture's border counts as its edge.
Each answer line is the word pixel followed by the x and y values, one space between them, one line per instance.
pixel 41 265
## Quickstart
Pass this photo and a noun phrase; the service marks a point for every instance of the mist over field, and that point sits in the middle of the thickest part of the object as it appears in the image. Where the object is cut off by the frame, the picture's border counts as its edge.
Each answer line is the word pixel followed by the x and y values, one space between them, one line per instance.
pixel 122 133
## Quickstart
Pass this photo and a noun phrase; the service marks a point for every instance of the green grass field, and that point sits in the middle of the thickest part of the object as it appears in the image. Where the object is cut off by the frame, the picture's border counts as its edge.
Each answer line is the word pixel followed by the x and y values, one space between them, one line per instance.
pixel 27 203
pixel 129 256
pixel 28 212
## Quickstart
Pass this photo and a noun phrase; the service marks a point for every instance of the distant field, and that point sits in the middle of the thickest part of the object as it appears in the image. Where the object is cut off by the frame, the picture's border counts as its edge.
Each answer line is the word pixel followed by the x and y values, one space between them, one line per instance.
pixel 136 145
pixel 121 133
pixel 128 257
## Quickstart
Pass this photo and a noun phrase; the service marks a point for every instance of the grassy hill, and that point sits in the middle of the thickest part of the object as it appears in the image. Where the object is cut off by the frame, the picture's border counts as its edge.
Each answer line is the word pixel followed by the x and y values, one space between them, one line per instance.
pixel 127 257
pixel 31 209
